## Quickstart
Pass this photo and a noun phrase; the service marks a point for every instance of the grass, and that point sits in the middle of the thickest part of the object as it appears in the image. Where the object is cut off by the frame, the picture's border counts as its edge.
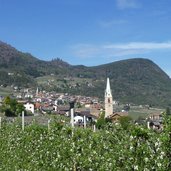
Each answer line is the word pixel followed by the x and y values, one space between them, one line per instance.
pixel 61 82
pixel 5 91
pixel 136 112
pixel 136 115
pixel 40 120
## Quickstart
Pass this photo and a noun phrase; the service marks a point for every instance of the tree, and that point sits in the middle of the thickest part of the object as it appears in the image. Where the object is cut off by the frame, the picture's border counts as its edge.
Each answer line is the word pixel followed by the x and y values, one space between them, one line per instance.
pixel 125 121
pixel 11 107
pixel 168 111
pixel 19 108
pixel 7 100
pixel 78 105
pixel 102 121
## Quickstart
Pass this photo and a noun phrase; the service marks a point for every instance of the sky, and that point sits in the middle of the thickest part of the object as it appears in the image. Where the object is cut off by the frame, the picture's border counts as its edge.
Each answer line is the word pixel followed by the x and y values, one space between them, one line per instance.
pixel 89 32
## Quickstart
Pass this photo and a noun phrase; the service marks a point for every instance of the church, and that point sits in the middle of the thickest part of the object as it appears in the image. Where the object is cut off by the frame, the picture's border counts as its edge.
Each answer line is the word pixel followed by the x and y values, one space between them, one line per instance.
pixel 109 113
pixel 108 100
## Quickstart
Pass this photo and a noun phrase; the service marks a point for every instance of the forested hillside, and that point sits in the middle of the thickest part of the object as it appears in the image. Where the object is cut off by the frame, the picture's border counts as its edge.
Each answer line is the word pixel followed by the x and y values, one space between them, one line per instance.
pixel 138 81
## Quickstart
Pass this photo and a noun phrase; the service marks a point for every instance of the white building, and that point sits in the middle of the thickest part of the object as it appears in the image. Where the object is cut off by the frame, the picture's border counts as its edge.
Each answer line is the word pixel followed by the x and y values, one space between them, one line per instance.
pixel 78 119
pixel 29 107
pixel 28 95
pixel 55 108
pixel 108 100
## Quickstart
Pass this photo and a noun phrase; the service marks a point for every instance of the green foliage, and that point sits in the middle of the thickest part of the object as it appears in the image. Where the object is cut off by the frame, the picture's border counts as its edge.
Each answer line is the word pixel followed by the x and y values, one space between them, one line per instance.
pixel 168 111
pixel 64 148
pixel 102 121
pixel 7 100
pixel 125 121
pixel 78 105
pixel 166 139
pixel 19 108
pixel 137 81
pixel 11 107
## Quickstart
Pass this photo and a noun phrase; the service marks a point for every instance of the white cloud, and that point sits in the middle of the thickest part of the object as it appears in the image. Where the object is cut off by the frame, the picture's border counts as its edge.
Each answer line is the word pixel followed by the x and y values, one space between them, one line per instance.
pixel 124 4
pixel 108 24
pixel 112 50
pixel 140 45
pixel 86 50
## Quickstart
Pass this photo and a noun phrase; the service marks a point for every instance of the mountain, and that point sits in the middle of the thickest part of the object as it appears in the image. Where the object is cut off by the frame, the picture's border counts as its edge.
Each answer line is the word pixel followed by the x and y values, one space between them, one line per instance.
pixel 138 81
pixel 24 67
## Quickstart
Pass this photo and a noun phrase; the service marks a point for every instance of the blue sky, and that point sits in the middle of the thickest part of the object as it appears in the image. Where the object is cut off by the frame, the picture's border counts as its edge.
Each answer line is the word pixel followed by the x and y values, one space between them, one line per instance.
pixel 89 32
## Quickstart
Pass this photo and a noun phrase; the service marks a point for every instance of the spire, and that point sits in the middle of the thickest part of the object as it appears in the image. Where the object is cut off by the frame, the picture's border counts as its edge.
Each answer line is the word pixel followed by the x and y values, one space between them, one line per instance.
pixel 108 90
pixel 37 91
pixel 108 100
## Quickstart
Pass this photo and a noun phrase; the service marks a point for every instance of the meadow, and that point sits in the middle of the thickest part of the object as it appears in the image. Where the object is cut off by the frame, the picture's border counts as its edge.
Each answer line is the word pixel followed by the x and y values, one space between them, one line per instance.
pixel 5 91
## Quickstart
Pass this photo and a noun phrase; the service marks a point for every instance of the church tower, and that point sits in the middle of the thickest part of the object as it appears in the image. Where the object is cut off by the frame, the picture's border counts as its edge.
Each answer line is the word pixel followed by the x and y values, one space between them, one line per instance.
pixel 108 100
pixel 37 91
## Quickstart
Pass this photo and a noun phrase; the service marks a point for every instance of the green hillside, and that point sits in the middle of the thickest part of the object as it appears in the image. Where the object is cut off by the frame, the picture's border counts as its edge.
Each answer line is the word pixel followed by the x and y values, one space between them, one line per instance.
pixel 138 81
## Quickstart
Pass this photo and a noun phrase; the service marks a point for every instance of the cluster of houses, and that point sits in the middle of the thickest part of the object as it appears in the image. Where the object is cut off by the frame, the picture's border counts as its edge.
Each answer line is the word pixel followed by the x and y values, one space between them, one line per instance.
pixel 155 121
pixel 85 108
pixel 41 103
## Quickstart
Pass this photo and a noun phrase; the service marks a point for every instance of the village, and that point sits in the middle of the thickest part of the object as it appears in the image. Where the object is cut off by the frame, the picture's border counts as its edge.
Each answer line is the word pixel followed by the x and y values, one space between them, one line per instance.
pixel 62 128
pixel 87 110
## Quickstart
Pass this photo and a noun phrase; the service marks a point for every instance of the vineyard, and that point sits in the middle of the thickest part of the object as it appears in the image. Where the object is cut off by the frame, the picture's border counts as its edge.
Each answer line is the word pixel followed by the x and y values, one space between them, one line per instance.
pixel 65 148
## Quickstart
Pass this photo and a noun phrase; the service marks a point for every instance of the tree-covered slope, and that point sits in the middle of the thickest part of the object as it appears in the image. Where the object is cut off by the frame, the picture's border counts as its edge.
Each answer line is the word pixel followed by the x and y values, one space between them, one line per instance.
pixel 24 67
pixel 138 81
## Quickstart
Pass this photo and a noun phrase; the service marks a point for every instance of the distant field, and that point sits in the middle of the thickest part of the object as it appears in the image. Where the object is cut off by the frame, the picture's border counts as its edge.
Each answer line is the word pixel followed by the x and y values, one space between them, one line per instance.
pixel 5 91
pixel 136 112
pixel 45 79
pixel 60 82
